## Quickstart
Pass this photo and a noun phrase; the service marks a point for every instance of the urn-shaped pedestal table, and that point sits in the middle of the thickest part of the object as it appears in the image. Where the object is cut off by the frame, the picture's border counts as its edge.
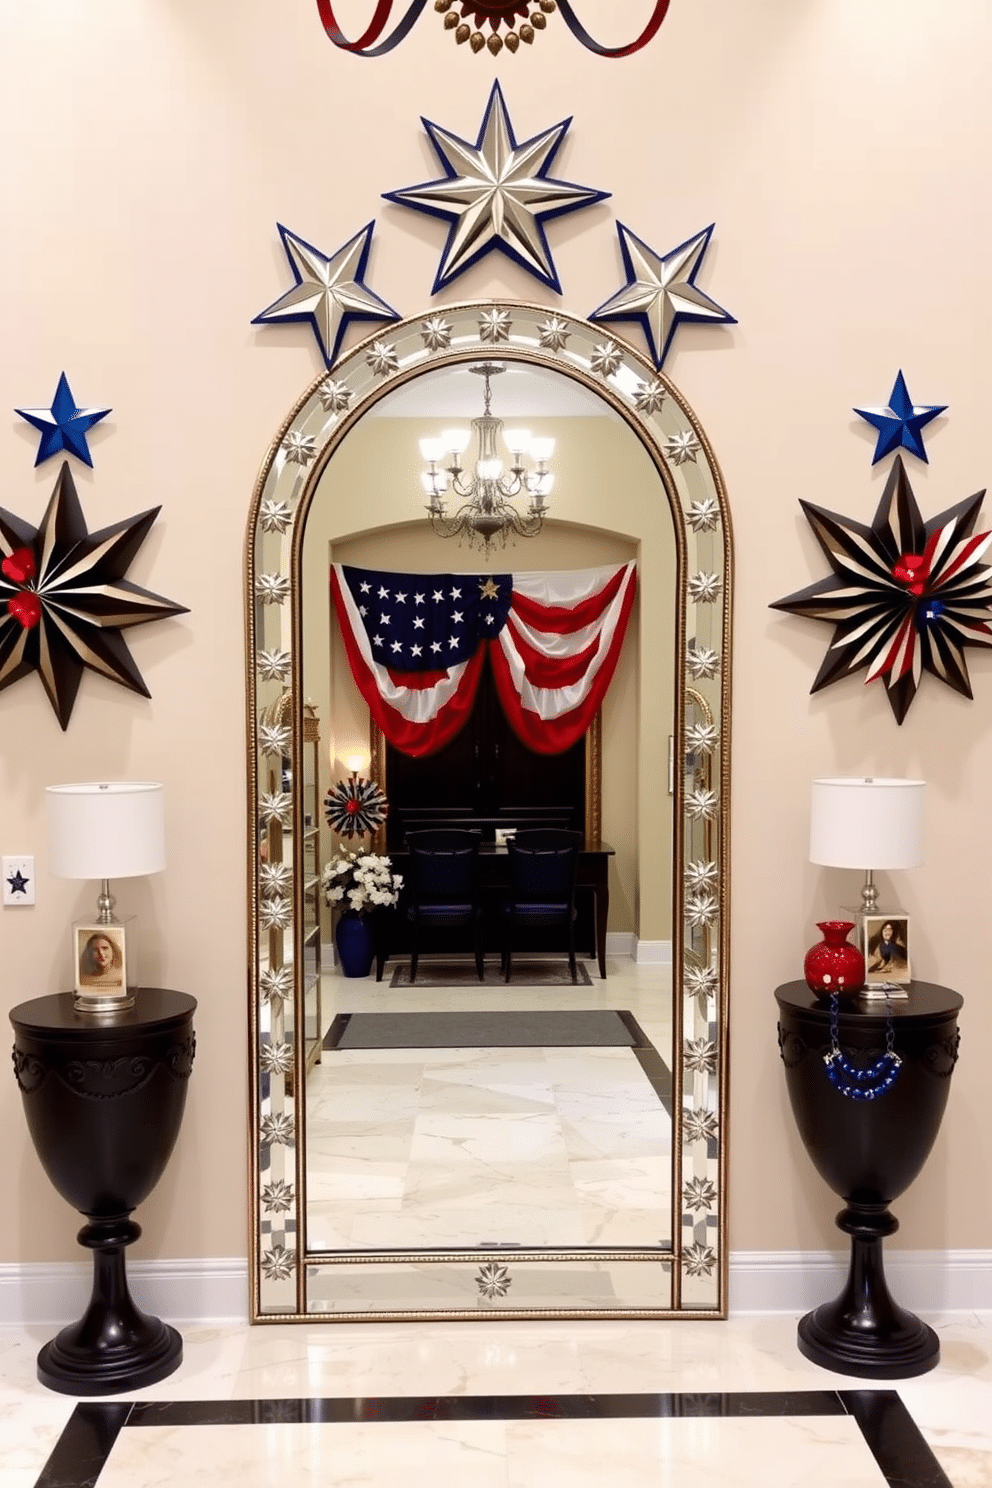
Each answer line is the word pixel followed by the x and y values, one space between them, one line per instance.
pixel 104 1097
pixel 869 1150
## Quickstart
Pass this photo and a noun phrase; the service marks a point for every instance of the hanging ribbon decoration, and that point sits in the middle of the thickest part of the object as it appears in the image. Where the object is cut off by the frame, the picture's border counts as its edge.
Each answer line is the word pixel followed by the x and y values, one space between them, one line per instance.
pixel 366 44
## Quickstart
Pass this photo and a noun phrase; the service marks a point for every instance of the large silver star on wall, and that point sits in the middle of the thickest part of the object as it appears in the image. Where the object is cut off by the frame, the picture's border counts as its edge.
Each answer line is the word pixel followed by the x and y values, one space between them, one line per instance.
pixel 496 194
pixel 661 290
pixel 329 291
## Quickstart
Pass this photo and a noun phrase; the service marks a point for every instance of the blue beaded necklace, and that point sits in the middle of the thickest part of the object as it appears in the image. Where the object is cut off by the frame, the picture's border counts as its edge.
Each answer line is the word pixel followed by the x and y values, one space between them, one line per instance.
pixel 851 1080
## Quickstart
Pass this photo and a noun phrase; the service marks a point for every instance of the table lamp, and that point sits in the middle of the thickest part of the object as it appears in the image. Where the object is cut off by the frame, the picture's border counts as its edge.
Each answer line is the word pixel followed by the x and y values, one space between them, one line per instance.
pixel 104 830
pixel 869 823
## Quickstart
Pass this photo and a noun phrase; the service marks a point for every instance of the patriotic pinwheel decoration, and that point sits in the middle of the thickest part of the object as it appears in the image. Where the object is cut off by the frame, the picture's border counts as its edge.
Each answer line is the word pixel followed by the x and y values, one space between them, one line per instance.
pixel 905 596
pixel 355 807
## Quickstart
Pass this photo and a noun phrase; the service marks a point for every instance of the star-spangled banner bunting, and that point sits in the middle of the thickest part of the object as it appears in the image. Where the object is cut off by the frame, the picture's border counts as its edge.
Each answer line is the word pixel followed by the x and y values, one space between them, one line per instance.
pixel 905 597
pixel 496 194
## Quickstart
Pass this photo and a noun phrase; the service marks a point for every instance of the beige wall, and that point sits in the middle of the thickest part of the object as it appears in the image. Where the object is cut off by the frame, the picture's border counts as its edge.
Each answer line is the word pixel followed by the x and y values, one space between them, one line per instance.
pixel 842 149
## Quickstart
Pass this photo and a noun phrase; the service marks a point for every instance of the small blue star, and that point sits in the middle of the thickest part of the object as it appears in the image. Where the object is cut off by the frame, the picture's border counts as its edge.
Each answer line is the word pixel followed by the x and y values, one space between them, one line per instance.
pixel 900 425
pixel 63 426
pixel 18 883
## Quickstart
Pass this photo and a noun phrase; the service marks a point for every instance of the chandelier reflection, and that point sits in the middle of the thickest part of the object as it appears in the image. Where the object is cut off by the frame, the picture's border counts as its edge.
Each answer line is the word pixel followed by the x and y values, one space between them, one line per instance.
pixel 486 515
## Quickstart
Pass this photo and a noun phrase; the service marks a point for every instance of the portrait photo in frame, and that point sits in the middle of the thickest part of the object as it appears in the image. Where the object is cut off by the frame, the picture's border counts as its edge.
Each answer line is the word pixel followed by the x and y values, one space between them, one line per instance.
pixel 100 958
pixel 886 948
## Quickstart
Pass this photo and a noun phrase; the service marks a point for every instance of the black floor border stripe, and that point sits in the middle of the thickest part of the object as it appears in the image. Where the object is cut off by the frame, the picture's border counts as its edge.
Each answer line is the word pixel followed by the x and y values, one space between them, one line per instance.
pixel 80 1454
pixel 890 1433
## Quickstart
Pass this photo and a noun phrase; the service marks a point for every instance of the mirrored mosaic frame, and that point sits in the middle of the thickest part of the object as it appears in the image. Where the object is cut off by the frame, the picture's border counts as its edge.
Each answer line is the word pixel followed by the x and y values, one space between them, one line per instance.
pixel 287 1283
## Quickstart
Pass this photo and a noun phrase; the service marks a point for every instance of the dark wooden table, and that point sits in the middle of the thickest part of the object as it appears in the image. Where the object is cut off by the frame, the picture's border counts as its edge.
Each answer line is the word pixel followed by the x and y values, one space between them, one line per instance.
pixel 494 879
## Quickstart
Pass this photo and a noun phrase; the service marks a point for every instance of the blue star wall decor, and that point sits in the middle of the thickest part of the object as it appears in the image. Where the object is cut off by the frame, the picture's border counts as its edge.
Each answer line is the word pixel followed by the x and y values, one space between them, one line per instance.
pixel 901 423
pixel 661 290
pixel 496 194
pixel 330 292
pixel 63 427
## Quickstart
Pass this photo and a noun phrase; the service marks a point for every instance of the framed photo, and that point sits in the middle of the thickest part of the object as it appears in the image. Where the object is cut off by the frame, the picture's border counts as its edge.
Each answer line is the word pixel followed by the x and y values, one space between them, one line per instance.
pixel 100 955
pixel 886 949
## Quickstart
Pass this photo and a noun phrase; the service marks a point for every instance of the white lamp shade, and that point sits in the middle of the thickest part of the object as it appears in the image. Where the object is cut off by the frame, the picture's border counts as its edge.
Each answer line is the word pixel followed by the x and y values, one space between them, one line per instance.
pixel 867 823
pixel 106 829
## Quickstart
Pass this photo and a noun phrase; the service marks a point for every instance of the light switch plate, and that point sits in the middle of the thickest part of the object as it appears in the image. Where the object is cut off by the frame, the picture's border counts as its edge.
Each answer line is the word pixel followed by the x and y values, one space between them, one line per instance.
pixel 18 880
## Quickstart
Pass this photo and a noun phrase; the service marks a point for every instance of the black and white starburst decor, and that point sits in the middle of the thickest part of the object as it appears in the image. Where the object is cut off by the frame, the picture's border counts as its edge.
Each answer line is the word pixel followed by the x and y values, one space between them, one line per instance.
pixel 64 600
pixel 355 807
pixel 906 596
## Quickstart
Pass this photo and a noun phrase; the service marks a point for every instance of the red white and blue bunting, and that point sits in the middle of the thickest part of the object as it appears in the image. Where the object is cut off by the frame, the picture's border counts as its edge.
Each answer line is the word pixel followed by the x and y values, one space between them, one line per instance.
pixel 519 18
pixel 416 645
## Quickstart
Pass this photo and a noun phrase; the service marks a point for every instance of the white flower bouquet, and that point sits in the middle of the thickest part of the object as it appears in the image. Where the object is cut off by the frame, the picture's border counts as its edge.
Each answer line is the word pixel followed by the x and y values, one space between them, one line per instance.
pixel 360 881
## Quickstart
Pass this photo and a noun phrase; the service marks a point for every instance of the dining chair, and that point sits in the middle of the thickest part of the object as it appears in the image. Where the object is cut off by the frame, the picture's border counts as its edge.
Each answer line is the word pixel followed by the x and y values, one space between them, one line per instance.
pixel 443 887
pixel 543 864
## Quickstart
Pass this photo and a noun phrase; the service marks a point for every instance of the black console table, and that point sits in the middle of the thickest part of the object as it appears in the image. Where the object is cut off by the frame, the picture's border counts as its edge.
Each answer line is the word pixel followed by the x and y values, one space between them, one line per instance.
pixel 869 1151
pixel 104 1097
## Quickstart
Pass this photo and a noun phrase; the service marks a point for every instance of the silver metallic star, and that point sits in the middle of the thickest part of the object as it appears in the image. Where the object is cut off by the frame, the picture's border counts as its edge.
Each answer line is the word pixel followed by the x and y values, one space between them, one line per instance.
pixel 700 981
pixel 698 1193
pixel 698 1260
pixel 649 397
pixel 496 194
pixel 703 515
pixel 278 1263
pixel 273 738
pixel 277 984
pixel 682 447
pixel 701 804
pixel 700 875
pixel 272 588
pixel 275 516
pixel 334 396
pixel 329 291
pixel 299 449
pixel 436 333
pixel 702 662
pixel 699 1126
pixel 494 325
pixel 276 1059
pixel 701 910
pixel 382 358
pixel 553 333
pixel 606 358
pixel 275 806
pixel 700 1056
pixel 275 878
pixel 273 666
pixel 278 1130
pixel 278 1196
pixel 493 1280
pixel 702 736
pixel 704 588
pixel 660 291
pixel 275 914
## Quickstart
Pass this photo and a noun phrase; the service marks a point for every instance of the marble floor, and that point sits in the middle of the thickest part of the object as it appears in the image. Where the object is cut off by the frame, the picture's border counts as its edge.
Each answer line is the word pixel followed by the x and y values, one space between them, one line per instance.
pixel 508 1405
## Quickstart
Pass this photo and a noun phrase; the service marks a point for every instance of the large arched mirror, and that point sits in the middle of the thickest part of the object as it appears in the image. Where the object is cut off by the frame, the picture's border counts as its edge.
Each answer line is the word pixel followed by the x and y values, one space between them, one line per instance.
pixel 367 1164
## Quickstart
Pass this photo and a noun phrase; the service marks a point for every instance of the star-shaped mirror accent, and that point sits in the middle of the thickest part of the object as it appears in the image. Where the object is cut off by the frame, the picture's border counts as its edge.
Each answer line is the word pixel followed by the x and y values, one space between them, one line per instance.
pixel 661 291
pixel 330 292
pixel 63 427
pixel 496 194
pixel 64 599
pixel 905 596
pixel 901 422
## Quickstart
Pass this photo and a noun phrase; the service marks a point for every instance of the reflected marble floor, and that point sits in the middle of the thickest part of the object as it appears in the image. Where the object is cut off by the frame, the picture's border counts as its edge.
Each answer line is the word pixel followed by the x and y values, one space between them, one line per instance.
pixel 527 1146
pixel 563 1404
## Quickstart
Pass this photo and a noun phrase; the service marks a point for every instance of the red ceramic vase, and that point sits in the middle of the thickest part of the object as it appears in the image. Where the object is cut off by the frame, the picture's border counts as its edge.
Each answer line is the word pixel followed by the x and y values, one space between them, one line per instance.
pixel 833 964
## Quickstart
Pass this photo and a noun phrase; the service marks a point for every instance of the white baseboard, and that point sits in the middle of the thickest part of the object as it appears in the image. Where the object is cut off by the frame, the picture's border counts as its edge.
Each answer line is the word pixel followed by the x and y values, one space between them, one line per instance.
pixel 644 952
pixel 190 1291
pixel 791 1281
pixel 928 1281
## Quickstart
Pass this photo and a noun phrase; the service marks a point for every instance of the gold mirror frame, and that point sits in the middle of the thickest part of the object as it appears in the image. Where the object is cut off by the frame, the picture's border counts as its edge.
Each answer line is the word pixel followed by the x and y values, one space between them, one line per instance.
pixel 287 1283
